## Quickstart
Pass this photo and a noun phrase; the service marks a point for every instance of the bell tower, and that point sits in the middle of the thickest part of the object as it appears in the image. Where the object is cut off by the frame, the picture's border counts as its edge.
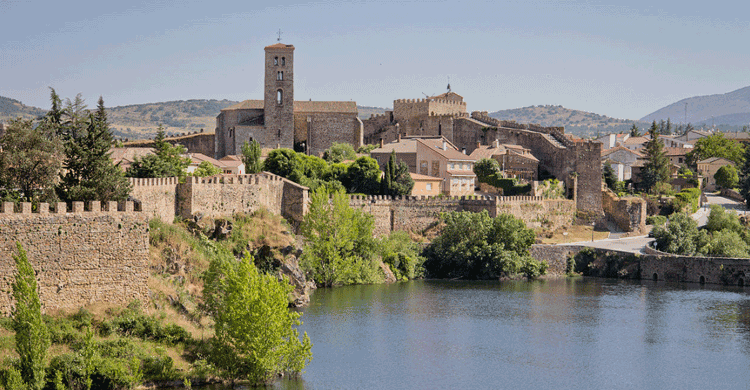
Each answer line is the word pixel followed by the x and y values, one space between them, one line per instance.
pixel 279 96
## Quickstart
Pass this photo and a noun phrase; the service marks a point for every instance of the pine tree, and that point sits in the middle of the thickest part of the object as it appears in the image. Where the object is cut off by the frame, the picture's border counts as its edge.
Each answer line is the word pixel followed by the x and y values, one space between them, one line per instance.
pixel 744 183
pixel 634 132
pixel 91 174
pixel 668 129
pixel 656 170
pixel 610 178
pixel 396 180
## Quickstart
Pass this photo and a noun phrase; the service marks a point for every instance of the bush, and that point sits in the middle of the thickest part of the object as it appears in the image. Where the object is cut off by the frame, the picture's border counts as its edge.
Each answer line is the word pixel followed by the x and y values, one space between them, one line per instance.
pixel 402 255
pixel 656 220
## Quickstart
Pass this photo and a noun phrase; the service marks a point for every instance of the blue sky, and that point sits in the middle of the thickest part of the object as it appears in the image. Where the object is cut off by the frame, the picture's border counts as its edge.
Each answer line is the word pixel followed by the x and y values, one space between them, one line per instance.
pixel 623 59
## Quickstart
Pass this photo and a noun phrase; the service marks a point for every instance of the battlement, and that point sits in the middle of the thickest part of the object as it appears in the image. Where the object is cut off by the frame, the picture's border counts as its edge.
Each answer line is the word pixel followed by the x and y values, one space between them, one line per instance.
pixel 156 181
pixel 26 209
pixel 452 115
pixel 464 200
pixel 428 100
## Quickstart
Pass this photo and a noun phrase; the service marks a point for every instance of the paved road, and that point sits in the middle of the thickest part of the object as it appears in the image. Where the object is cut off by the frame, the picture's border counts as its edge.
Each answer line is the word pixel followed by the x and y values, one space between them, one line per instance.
pixel 636 244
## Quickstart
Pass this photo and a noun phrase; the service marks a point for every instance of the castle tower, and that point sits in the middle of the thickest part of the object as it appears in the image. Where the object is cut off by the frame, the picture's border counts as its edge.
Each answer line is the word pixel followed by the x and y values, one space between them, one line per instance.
pixel 279 96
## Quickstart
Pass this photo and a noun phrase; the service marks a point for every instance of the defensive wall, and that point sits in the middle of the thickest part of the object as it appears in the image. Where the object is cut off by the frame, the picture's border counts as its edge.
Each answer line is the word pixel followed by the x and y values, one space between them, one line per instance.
pixel 81 253
pixel 156 196
pixel 417 213
pixel 321 129
pixel 651 265
pixel 629 213
pixel 194 143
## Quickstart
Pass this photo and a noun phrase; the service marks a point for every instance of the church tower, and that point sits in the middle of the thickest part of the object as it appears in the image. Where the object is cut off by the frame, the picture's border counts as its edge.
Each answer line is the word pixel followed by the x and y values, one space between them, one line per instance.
pixel 279 96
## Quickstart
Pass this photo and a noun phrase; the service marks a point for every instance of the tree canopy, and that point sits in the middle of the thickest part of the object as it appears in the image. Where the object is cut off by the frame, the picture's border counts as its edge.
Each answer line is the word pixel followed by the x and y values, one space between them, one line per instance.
pixel 168 160
pixel 656 170
pixel 396 179
pixel 726 176
pixel 716 145
pixel 251 157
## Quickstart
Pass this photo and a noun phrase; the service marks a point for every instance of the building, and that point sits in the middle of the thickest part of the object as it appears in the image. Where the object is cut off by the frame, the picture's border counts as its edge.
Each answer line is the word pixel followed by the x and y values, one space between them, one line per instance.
pixel 708 168
pixel 280 121
pixel 514 160
pixel 233 165
pixel 622 160
pixel 425 185
pixel 124 157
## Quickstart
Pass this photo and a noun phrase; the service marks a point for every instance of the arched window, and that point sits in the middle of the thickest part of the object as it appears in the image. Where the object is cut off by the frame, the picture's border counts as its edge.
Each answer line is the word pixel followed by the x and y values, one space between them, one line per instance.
pixel 279 96
pixel 279 75
pixel 283 61
pixel 275 60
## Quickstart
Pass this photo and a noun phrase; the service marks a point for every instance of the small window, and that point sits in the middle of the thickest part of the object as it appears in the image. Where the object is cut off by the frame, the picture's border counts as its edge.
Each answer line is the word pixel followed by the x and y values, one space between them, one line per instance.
pixel 429 186
pixel 283 61
pixel 279 97
pixel 275 60
pixel 279 75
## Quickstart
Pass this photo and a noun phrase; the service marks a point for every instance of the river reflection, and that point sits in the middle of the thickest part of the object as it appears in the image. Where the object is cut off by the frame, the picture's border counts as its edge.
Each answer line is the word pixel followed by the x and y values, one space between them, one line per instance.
pixel 566 333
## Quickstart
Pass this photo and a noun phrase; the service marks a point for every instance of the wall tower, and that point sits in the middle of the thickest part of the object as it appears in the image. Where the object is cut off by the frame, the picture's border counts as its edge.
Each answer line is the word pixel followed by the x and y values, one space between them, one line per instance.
pixel 279 95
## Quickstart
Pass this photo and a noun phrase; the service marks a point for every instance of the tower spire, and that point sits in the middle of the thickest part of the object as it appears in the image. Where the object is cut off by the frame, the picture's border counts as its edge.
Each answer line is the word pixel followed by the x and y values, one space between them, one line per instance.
pixel 279 38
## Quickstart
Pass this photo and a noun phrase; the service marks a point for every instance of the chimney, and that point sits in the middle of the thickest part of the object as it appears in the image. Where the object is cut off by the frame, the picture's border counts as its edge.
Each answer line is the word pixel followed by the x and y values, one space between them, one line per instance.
pixel 479 144
pixel 496 144
pixel 399 137
pixel 445 145
pixel 381 142
pixel 463 150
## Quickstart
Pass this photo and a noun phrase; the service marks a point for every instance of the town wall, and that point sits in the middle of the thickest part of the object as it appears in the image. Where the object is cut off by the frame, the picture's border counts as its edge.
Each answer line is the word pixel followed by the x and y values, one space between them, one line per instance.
pixel 629 213
pixel 81 255
pixel 411 213
pixel 157 197
pixel 203 143
pixel 321 129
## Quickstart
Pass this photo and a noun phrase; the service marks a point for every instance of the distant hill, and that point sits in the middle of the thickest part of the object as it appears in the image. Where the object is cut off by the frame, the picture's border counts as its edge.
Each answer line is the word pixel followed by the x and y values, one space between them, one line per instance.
pixel 140 121
pixel 581 123
pixel 732 108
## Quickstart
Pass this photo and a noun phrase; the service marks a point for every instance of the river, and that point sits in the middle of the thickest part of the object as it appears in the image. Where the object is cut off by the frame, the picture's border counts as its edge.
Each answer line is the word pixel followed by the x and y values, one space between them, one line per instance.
pixel 580 333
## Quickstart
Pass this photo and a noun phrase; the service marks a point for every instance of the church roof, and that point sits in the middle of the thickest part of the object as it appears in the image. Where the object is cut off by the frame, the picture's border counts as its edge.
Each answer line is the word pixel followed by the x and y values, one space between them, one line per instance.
pixel 280 46
pixel 301 106
pixel 448 96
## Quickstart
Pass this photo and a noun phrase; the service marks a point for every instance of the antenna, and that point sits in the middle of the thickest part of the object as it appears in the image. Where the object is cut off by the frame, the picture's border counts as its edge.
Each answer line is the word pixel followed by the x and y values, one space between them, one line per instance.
pixel 449 83
pixel 279 38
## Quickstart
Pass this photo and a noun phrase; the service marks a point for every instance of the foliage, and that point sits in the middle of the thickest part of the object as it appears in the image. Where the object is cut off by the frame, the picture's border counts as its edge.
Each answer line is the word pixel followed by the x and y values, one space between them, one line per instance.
pixel 168 161
pixel 366 149
pixel 251 157
pixel 90 173
pixel 634 131
pixel 396 180
pixel 609 176
pixel 716 145
pixel 363 176
pixel 656 220
pixel 726 177
pixel 339 152
pixel 285 163
pixel 656 170
pixel 206 169
pixel 720 219
pixel 402 255
pixel 485 169
pixel 727 243
pixel 552 189
pixel 133 323
pixel 690 197
pixel 32 337
pixel 255 335
pixel 679 236
pixel 339 241
pixel 476 246
pixel 31 157
pixel 744 178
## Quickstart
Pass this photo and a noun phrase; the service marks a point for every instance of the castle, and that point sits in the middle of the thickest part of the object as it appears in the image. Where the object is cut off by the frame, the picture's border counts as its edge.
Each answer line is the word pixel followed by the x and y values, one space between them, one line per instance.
pixel 280 121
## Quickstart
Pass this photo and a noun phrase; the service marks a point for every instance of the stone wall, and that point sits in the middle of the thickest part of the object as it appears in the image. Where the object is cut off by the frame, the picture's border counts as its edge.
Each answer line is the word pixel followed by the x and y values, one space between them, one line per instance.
pixel 80 257
pixel 322 129
pixel 413 213
pixel 629 213
pixel 156 196
pixel 203 143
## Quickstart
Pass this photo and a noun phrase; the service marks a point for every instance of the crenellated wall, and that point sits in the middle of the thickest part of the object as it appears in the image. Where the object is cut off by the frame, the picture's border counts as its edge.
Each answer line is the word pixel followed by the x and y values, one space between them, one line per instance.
pixel 157 196
pixel 82 254
pixel 412 213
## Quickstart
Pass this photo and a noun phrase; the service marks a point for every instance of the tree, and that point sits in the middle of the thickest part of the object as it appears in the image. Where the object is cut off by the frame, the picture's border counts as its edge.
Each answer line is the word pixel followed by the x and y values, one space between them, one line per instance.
pixel 363 176
pixel 726 176
pixel 339 241
pixel 716 145
pixel 251 157
pixel 168 161
pixel 679 236
pixel 485 169
pixel 396 180
pixel 32 336
pixel 656 170
pixel 744 178
pixel 477 246
pixel 609 176
pixel 205 169
pixel 255 335
pixel 31 158
pixel 339 152
pixel 285 163
pixel 634 131
pixel 90 173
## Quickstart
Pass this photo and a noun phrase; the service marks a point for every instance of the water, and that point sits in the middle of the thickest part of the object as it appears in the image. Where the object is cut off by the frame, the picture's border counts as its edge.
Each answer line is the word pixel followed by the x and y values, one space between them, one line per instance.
pixel 567 333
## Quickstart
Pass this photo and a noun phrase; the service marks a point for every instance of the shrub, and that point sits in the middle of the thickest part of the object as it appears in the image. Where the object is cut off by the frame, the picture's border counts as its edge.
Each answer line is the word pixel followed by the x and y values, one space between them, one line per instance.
pixel 656 220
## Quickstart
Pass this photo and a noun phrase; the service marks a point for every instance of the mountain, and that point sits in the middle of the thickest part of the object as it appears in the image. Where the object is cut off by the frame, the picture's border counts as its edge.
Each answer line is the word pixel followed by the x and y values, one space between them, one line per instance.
pixel 581 123
pixel 732 108
pixel 11 108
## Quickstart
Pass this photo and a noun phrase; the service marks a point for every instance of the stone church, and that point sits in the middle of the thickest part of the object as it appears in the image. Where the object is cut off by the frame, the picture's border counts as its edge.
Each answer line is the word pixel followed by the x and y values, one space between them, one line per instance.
pixel 280 121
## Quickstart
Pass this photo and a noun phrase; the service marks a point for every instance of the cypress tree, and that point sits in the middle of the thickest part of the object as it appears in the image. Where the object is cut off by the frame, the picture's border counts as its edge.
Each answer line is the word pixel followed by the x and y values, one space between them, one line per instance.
pixel 656 170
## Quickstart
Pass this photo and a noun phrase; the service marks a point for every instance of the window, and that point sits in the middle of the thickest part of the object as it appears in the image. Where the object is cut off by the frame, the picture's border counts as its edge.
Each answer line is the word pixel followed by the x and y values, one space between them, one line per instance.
pixel 428 186
pixel 283 61
pixel 279 75
pixel 275 60
pixel 279 96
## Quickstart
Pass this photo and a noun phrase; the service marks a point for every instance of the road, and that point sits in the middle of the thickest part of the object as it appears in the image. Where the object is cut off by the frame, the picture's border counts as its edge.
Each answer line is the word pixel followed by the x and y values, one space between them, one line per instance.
pixel 636 244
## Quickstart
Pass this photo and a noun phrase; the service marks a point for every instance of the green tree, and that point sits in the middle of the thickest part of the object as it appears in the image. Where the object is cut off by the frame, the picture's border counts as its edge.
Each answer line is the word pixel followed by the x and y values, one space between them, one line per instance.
pixel 396 180
pixel 339 152
pixel 339 241
pixel 31 158
pixel 251 157
pixel 363 176
pixel 90 173
pixel 206 169
pixel 168 160
pixel 285 163
pixel 32 336
pixel 477 246
pixel 656 169
pixel 726 176
pixel 634 131
pixel 744 178
pixel 486 169
pixel 716 145
pixel 679 236
pixel 609 176
pixel 255 335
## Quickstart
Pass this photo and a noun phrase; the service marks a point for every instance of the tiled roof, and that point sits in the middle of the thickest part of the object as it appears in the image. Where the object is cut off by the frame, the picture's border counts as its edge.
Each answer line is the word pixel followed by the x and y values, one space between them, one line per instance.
pixel 280 46
pixel 246 105
pixel 450 153
pixel 198 158
pixel 407 145
pixel 125 156
pixel 676 151
pixel 301 106
pixel 712 160
pixel 418 177
pixel 636 140
pixel 607 152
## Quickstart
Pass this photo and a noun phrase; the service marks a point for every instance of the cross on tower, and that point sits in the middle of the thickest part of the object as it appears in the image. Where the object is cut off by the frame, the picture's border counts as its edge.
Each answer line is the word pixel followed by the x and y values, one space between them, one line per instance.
pixel 279 38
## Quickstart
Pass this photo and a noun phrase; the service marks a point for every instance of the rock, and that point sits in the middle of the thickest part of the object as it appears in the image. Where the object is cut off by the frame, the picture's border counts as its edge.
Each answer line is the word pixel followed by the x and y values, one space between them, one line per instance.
pixel 389 276
pixel 302 287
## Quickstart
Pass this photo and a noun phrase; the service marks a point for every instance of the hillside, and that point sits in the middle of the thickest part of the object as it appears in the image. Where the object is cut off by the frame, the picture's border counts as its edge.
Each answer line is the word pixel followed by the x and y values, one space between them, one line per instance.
pixel 11 108
pixel 581 123
pixel 732 108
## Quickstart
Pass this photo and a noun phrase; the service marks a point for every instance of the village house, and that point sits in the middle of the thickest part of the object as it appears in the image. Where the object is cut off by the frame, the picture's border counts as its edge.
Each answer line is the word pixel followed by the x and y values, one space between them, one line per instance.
pixel 233 165
pixel 621 159
pixel 426 185
pixel 708 168
pixel 514 160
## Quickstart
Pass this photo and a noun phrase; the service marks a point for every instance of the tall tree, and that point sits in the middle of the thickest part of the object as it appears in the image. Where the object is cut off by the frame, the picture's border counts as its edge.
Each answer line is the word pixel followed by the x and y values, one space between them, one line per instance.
pixel 634 131
pixel 168 160
pixel 251 157
pixel 32 336
pixel 609 176
pixel 31 158
pixel 90 173
pixel 744 177
pixel 716 145
pixel 396 180
pixel 656 170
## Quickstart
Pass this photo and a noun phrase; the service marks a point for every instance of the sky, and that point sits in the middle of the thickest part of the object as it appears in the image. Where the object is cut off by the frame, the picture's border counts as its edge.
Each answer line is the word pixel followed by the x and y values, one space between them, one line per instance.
pixel 623 59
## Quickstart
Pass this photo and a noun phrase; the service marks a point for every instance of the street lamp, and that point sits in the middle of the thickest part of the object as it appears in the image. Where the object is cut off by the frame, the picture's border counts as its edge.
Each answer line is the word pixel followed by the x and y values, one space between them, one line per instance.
pixel 593 225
